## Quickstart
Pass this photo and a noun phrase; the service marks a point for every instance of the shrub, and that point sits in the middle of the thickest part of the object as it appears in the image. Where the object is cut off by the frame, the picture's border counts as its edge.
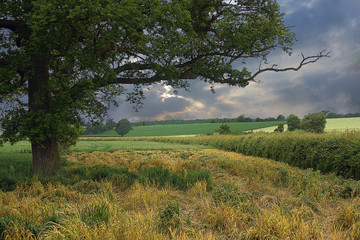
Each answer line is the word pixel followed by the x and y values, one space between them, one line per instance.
pixel 224 129
pixel 293 123
pixel 280 128
pixel 314 122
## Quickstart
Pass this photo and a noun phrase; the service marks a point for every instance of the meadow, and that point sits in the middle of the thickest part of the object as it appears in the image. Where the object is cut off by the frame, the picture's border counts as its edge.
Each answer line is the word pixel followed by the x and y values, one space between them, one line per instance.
pixel 138 189
pixel 188 129
pixel 332 124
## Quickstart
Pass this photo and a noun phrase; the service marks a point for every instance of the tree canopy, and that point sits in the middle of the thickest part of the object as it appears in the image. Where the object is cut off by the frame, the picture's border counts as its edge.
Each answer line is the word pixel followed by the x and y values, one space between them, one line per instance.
pixel 123 127
pixel 314 122
pixel 63 61
pixel 293 122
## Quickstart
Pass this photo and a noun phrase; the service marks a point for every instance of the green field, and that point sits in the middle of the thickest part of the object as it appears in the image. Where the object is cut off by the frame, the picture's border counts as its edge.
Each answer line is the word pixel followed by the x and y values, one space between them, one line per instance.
pixel 187 129
pixel 332 124
pixel 15 160
pixel 111 146
pixel 342 124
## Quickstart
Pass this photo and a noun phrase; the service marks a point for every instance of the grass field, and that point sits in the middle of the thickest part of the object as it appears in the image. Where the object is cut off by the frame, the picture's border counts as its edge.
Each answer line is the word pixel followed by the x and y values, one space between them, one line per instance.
pixel 187 129
pixel 342 124
pixel 137 190
pixel 332 124
pixel 15 161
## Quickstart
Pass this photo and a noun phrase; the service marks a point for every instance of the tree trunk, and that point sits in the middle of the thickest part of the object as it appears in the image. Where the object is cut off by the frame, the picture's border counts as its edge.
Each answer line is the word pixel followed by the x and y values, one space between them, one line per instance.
pixel 46 158
pixel 44 144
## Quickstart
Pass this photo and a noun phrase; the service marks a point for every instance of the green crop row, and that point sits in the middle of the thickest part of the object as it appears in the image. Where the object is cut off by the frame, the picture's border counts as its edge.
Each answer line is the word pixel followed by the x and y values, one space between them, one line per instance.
pixel 329 153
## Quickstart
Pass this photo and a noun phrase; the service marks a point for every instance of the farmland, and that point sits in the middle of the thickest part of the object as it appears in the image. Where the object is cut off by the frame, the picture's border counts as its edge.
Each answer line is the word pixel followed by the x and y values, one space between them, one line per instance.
pixel 139 189
pixel 332 124
pixel 188 129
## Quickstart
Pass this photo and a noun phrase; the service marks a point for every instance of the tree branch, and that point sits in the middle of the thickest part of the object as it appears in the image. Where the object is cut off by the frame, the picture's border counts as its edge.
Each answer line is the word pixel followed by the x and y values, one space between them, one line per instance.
pixel 9 24
pixel 152 79
pixel 304 61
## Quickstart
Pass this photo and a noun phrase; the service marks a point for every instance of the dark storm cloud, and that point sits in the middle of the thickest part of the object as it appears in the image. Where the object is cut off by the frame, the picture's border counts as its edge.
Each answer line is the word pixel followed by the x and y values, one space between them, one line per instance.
pixel 313 21
pixel 331 84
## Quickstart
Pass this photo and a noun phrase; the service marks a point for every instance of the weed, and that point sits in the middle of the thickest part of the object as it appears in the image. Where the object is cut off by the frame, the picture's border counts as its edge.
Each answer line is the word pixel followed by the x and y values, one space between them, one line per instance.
pixel 12 224
pixel 181 181
pixel 8 181
pixel 156 175
pixel 228 194
pixel 96 214
pixel 170 216
pixel 122 181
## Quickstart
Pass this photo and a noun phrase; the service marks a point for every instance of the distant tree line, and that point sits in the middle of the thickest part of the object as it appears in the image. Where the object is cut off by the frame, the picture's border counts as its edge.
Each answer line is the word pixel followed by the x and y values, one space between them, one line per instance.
pixel 122 127
pixel 99 127
pixel 110 124
pixel 313 122
pixel 240 118
pixel 337 115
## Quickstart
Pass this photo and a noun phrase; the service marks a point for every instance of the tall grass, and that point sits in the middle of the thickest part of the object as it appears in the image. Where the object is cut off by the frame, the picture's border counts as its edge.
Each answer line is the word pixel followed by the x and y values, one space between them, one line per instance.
pixel 15 164
pixel 180 194
pixel 329 153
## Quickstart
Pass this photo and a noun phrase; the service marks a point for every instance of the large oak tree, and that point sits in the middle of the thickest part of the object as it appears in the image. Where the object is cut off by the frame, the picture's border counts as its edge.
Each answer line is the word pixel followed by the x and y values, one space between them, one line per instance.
pixel 64 60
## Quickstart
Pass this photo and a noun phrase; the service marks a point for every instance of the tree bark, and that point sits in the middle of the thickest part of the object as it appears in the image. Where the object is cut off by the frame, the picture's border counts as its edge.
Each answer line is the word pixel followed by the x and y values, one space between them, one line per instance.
pixel 46 158
pixel 45 149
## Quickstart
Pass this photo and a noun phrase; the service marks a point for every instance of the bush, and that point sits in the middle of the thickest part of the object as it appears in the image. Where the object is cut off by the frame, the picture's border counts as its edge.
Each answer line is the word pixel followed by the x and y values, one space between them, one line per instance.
pixel 293 123
pixel 280 128
pixel 224 129
pixel 314 122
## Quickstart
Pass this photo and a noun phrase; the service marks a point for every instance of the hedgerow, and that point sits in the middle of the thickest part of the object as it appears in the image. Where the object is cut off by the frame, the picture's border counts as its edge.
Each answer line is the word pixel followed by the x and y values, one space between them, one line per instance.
pixel 329 153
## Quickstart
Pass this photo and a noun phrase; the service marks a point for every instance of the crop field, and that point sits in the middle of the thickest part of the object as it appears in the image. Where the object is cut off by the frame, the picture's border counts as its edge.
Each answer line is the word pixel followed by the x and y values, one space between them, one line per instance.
pixel 342 124
pixel 332 124
pixel 188 129
pixel 134 190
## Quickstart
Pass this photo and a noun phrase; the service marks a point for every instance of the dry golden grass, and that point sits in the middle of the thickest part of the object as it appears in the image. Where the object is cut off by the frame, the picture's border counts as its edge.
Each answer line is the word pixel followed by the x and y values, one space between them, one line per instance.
pixel 247 198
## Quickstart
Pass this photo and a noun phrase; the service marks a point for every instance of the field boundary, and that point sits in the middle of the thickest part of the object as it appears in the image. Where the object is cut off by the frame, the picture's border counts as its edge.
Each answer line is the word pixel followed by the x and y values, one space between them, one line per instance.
pixel 328 153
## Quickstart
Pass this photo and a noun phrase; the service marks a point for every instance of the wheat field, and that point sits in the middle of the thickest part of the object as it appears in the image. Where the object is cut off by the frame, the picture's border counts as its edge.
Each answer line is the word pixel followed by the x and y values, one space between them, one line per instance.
pixel 180 194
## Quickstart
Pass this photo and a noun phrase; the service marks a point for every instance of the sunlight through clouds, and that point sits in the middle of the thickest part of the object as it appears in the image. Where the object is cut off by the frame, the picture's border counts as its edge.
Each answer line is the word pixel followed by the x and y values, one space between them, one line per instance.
pixel 331 84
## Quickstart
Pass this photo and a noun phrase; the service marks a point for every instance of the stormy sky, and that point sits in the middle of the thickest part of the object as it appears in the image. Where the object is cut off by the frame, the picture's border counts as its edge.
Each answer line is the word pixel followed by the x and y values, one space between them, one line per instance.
pixel 331 84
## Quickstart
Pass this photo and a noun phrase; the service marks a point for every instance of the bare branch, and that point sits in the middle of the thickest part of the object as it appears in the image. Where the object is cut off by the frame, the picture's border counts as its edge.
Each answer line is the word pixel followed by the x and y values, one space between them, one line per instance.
pixel 304 61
